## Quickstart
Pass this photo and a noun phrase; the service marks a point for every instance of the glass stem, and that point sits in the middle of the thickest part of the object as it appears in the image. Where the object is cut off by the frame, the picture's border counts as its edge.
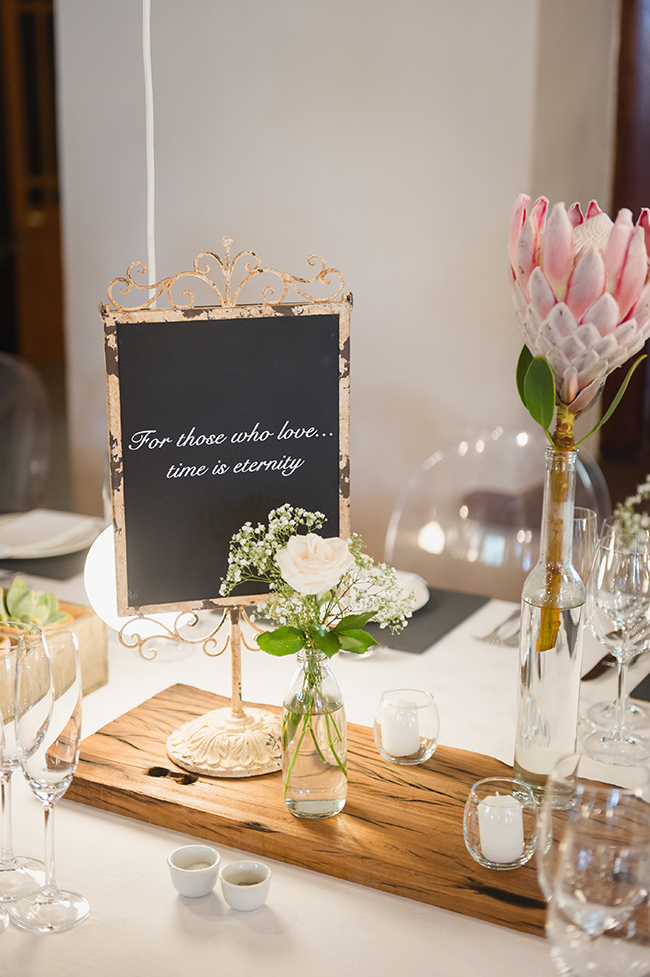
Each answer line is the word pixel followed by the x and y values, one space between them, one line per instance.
pixel 50 883
pixel 619 726
pixel 7 859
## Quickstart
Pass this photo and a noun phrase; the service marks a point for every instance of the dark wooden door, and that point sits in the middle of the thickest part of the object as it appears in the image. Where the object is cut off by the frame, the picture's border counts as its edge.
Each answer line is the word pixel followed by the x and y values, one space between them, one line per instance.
pixel 31 241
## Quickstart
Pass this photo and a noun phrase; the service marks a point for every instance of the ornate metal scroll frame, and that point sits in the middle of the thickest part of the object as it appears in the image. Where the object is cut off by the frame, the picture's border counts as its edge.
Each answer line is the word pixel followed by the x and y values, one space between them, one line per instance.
pixel 228 298
pixel 227 742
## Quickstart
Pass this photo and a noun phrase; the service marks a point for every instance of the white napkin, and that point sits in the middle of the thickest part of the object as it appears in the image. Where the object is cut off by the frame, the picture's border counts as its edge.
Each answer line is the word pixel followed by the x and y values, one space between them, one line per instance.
pixel 42 532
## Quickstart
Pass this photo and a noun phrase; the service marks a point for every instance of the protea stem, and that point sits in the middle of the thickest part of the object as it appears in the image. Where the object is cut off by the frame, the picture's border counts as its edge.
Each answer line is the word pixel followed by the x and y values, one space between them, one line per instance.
pixel 563 440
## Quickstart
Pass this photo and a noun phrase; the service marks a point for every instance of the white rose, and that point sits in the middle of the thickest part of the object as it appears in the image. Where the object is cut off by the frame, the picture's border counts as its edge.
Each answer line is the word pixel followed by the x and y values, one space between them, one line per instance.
pixel 312 565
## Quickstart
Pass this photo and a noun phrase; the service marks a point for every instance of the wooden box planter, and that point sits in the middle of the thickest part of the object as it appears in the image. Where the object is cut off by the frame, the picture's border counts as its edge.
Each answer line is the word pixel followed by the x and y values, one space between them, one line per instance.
pixel 93 645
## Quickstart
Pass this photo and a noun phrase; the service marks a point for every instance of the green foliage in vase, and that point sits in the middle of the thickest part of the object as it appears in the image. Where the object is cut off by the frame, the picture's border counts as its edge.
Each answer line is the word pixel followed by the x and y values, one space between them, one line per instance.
pixel 323 592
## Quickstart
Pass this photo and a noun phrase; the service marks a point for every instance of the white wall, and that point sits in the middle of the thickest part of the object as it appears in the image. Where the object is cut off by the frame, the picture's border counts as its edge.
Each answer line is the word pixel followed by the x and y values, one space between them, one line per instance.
pixel 390 138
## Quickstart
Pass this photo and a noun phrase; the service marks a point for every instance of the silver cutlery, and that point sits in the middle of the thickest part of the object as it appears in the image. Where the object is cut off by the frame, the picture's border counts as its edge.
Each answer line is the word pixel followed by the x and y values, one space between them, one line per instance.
pixel 506 633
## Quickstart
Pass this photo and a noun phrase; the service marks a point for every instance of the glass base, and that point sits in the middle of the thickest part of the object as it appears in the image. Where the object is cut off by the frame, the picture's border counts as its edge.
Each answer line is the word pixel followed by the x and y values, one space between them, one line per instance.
pixel 4 919
pixel 426 751
pixel 604 714
pixel 25 877
pixel 315 810
pixel 45 913
pixel 536 781
pixel 624 749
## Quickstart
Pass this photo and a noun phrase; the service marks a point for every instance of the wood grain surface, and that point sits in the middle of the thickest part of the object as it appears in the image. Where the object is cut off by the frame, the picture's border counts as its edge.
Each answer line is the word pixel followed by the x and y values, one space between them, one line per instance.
pixel 401 829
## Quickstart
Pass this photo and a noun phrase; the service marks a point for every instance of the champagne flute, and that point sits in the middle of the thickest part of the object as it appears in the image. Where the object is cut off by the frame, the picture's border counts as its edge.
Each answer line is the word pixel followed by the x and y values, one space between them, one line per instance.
pixel 593 858
pixel 48 730
pixel 618 611
pixel 19 875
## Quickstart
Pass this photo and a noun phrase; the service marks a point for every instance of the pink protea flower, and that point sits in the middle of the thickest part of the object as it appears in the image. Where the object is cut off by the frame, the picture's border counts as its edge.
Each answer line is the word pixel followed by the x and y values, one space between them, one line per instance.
pixel 581 291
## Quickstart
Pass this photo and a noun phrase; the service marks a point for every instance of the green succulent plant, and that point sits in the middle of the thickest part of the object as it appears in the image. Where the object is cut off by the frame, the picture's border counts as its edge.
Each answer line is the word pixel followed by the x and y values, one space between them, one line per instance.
pixel 18 605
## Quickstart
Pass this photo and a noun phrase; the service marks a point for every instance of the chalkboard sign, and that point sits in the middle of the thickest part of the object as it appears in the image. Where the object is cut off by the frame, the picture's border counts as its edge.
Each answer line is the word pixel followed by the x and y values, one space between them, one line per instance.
pixel 216 416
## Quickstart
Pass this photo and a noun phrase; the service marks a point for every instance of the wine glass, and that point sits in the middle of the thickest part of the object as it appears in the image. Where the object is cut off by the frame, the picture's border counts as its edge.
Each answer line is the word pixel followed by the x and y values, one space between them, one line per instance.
pixel 618 611
pixel 604 713
pixel 19 875
pixel 593 859
pixel 4 915
pixel 48 731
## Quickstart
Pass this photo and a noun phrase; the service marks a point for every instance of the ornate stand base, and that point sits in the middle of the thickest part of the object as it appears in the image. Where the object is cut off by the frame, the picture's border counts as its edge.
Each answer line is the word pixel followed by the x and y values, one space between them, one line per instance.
pixel 223 744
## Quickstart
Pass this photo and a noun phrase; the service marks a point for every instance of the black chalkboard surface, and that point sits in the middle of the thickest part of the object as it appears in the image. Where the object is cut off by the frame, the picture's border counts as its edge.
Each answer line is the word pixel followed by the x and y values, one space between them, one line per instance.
pixel 216 417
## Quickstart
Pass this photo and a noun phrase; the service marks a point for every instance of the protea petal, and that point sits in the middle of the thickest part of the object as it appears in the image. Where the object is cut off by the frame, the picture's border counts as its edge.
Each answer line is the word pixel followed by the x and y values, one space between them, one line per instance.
pixel 592 210
pixel 633 273
pixel 541 294
pixel 532 323
pixel 644 222
pixel 526 253
pixel 589 334
pixel 517 221
pixel 587 282
pixel 604 314
pixel 557 256
pixel 587 361
pixel 617 246
pixel 569 388
pixel 587 396
pixel 625 333
pixel 560 323
pixel 596 371
pixel 574 214
pixel 641 310
pixel 520 302
pixel 558 362
pixel 623 354
pixel 538 213
pixel 572 347
pixel 606 346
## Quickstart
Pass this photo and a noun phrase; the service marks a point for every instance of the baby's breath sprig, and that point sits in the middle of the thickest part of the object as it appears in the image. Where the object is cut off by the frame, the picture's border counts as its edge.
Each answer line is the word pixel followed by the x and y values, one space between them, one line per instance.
pixel 624 512
pixel 252 549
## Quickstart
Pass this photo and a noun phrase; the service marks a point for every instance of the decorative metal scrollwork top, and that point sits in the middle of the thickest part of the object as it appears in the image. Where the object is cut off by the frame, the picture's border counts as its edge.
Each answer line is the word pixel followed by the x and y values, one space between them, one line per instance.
pixel 228 294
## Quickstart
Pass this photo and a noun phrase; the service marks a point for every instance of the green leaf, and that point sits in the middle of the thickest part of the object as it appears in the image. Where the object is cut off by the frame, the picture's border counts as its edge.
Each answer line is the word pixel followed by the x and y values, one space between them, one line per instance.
pixel 326 641
pixel 282 641
pixel 523 363
pixel 290 723
pixel 354 639
pixel 616 401
pixel 14 596
pixel 354 621
pixel 539 391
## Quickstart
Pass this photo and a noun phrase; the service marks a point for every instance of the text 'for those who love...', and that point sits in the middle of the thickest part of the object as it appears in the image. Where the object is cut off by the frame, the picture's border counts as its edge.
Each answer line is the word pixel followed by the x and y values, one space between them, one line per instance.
pixel 286 465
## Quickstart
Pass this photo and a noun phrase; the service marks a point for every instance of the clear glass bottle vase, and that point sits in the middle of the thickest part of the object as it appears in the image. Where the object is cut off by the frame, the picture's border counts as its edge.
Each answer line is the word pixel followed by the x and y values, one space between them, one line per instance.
pixel 552 617
pixel 314 745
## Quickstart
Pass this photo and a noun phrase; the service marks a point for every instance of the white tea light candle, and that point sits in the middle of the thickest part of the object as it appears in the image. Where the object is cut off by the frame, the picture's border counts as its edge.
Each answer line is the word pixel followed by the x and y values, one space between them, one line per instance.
pixel 406 726
pixel 400 729
pixel 501 828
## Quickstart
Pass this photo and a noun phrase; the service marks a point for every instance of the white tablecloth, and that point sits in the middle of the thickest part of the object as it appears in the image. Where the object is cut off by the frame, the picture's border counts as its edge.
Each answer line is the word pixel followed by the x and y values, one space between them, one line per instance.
pixel 312 923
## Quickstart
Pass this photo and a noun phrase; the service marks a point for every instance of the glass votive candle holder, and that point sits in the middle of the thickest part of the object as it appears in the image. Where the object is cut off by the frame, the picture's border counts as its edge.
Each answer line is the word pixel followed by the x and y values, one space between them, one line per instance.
pixel 406 726
pixel 500 823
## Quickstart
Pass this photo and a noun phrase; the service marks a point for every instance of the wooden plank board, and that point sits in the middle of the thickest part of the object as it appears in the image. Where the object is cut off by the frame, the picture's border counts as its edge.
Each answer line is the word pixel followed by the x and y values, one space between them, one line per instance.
pixel 401 829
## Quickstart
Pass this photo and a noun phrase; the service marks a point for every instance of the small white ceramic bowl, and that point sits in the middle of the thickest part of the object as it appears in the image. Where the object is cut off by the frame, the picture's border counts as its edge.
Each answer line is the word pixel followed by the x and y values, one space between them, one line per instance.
pixel 245 885
pixel 194 870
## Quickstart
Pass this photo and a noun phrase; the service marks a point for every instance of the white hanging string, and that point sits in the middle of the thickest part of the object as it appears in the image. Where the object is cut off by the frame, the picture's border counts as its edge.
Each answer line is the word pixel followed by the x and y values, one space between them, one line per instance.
pixel 148 108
